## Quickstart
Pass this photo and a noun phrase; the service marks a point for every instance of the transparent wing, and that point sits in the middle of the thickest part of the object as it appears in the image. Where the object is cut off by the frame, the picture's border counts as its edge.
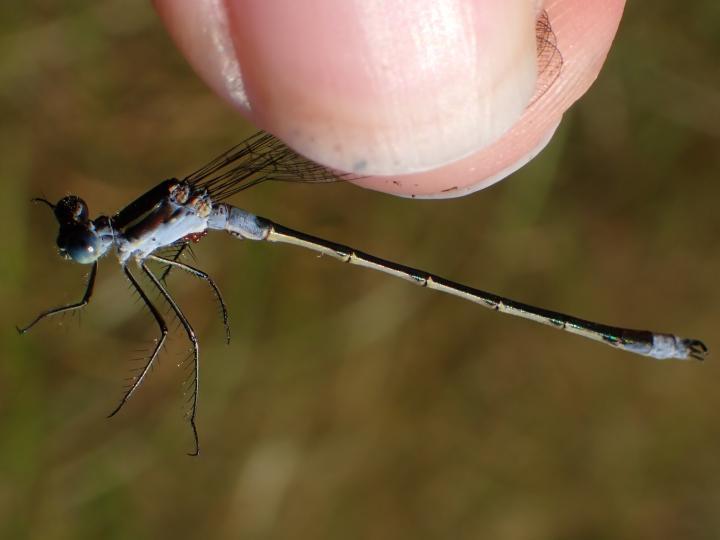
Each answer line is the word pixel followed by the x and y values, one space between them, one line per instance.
pixel 259 158
pixel 549 58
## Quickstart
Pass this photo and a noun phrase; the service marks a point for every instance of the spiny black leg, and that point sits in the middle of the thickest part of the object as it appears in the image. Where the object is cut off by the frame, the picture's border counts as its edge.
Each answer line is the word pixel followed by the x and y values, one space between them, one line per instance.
pixel 63 309
pixel 138 379
pixel 175 257
pixel 202 275
pixel 196 352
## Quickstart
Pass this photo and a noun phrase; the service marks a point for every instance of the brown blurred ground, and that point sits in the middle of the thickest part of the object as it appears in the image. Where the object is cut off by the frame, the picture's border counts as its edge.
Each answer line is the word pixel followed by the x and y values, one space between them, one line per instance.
pixel 350 405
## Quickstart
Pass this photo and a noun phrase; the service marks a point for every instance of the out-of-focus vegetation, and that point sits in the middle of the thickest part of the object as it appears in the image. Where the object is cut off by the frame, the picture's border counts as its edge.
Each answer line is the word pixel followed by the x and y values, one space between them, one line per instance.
pixel 351 405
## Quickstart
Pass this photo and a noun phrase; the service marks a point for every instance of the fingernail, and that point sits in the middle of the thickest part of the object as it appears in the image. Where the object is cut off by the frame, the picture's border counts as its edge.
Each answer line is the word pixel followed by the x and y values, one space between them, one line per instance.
pixel 384 88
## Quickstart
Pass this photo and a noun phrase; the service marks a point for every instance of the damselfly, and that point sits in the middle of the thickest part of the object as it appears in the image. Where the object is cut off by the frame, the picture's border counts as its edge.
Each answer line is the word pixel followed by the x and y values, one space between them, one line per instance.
pixel 161 224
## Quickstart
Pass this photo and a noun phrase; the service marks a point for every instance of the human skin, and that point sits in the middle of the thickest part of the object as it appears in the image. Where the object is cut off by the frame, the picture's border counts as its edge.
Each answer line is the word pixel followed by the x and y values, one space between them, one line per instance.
pixel 422 98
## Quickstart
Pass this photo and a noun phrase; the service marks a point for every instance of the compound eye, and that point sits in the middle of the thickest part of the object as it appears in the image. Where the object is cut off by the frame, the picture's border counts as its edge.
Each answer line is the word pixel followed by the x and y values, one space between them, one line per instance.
pixel 79 244
pixel 71 209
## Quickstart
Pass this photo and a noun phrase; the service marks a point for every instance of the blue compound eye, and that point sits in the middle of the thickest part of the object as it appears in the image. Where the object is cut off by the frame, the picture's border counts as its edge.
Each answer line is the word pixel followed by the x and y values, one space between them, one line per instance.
pixel 79 244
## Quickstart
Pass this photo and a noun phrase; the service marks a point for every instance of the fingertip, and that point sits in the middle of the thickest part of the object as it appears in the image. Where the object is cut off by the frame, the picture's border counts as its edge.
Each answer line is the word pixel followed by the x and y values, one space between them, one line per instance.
pixel 386 88
pixel 430 89
pixel 367 87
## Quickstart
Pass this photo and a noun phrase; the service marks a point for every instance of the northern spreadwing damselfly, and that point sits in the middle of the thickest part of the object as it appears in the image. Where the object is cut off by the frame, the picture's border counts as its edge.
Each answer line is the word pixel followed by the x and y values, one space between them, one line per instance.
pixel 162 223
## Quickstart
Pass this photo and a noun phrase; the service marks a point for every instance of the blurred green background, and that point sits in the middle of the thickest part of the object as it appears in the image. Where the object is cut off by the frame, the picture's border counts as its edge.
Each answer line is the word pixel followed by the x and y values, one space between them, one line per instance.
pixel 351 405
